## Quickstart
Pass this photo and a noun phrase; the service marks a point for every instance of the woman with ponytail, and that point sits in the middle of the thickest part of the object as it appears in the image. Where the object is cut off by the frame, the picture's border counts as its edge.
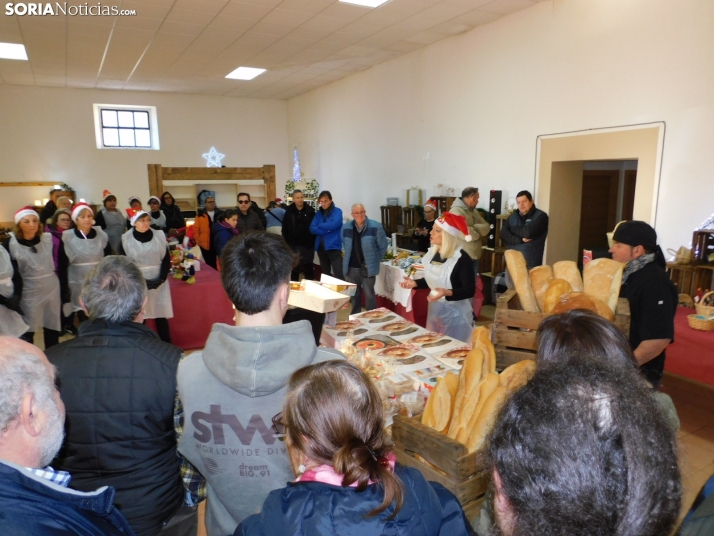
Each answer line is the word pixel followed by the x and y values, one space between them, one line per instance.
pixel 347 483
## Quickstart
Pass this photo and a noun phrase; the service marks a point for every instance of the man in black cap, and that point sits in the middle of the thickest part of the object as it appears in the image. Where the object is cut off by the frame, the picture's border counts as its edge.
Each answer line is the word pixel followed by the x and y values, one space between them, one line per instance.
pixel 652 296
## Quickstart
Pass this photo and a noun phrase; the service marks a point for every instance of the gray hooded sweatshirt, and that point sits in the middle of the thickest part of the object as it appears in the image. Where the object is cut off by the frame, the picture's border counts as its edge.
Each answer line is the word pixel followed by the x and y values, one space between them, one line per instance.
pixel 230 393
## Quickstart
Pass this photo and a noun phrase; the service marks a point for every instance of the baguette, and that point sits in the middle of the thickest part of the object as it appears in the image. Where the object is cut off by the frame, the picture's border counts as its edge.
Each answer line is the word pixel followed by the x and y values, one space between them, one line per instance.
pixel 469 377
pixel 437 412
pixel 555 291
pixel 603 279
pixel 481 338
pixel 516 264
pixel 487 418
pixel 473 408
pixel 518 374
pixel 540 276
pixel 568 270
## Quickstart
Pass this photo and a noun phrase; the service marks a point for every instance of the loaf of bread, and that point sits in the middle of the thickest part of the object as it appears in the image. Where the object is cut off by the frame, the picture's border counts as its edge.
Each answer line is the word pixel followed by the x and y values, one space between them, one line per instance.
pixel 473 407
pixel 556 289
pixel 518 374
pixel 568 270
pixel 583 300
pixel 440 403
pixel 481 338
pixel 603 279
pixel 516 264
pixel 487 418
pixel 541 276
pixel 469 378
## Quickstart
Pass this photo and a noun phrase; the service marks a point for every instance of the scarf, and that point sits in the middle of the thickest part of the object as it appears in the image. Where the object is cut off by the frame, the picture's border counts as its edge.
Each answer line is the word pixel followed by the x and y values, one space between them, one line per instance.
pixel 637 264
pixel 327 474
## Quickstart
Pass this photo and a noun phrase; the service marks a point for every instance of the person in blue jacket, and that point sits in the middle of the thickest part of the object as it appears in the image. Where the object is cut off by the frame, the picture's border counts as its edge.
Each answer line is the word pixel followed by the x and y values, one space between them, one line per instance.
pixel 224 230
pixel 365 244
pixel 347 483
pixel 327 227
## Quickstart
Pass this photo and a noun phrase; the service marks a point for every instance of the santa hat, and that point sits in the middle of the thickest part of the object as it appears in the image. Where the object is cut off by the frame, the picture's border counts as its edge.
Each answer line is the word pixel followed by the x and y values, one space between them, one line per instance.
pixel 137 214
pixel 455 225
pixel 133 198
pixel 25 211
pixel 431 204
pixel 107 194
pixel 155 198
pixel 79 207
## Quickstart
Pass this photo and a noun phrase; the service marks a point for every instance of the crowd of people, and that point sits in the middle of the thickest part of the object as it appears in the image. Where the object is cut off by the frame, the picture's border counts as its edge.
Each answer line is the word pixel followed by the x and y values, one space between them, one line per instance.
pixel 113 432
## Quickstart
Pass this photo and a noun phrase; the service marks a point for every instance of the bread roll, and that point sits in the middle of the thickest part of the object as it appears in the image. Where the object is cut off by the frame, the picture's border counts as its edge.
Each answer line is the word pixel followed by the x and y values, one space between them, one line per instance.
pixel 518 374
pixel 541 276
pixel 516 264
pixel 437 412
pixel 473 407
pixel 481 338
pixel 556 289
pixel 582 300
pixel 469 378
pixel 568 270
pixel 487 418
pixel 603 278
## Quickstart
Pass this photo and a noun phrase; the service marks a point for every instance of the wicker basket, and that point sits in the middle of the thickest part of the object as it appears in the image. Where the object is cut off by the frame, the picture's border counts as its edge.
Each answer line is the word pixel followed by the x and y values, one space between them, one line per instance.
pixel 701 324
pixel 705 310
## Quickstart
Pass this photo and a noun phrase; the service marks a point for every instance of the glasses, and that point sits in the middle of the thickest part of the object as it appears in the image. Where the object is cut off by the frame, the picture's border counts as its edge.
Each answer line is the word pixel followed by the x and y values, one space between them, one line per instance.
pixel 243 202
pixel 279 426
pixel 358 213
pixel 153 202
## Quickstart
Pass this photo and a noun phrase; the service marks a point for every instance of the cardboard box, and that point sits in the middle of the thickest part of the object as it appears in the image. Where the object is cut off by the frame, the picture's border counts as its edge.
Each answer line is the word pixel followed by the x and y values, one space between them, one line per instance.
pixel 317 298
pixel 343 287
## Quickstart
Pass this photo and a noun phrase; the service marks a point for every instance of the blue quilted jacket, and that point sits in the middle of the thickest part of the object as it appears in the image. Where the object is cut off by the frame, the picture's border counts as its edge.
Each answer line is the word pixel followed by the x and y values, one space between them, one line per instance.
pixel 374 245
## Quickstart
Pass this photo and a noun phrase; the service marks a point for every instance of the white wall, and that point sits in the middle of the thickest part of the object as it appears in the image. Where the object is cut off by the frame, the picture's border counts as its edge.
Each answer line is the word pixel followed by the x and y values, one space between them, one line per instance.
pixel 476 103
pixel 47 134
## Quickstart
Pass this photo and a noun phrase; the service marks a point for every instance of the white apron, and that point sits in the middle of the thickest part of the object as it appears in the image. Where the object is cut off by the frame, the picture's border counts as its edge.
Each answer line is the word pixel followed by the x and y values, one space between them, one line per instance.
pixel 148 257
pixel 116 225
pixel 452 318
pixel 11 323
pixel 160 221
pixel 41 303
pixel 83 255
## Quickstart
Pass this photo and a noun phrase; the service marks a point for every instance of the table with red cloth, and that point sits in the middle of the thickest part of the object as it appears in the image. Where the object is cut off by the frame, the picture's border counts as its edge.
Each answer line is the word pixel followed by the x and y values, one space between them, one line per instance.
pixel 692 353
pixel 196 308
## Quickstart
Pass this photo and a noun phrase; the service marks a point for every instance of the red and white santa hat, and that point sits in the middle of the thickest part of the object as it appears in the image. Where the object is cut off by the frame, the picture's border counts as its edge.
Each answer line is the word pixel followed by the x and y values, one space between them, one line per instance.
pixel 454 224
pixel 79 207
pixel 133 198
pixel 106 194
pixel 431 204
pixel 155 199
pixel 137 214
pixel 25 211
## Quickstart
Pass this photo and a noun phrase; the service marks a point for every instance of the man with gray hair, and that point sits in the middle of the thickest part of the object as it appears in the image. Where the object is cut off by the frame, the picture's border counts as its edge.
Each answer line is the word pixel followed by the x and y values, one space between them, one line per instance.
pixel 33 496
pixel 119 388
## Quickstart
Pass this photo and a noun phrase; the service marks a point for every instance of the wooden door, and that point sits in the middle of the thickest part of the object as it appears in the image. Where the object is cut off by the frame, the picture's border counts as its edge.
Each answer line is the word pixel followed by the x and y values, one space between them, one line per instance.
pixel 598 208
pixel 628 195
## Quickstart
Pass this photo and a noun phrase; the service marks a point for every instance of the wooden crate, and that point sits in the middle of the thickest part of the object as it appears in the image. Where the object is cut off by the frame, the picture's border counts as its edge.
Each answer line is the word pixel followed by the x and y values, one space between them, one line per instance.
pixel 464 474
pixel 515 331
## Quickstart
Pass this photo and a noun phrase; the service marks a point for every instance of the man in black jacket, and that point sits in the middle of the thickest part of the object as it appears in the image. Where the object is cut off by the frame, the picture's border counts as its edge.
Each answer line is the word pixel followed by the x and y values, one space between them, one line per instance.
pixel 248 218
pixel 296 232
pixel 118 383
pixel 526 230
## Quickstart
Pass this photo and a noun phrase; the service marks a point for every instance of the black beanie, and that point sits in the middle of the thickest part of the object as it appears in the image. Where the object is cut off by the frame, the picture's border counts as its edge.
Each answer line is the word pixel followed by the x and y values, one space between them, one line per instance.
pixel 636 233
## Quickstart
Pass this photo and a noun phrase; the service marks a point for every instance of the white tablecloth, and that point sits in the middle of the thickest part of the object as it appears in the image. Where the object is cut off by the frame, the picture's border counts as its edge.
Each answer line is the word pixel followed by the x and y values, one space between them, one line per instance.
pixel 387 285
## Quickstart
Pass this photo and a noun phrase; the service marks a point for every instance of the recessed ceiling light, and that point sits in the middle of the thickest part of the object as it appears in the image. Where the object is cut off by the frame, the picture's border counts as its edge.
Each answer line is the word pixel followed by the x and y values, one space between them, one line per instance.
pixel 245 73
pixel 366 3
pixel 12 51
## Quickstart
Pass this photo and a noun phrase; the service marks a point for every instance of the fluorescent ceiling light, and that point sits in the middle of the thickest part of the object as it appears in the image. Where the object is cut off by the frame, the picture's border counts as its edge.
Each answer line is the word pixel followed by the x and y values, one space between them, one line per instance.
pixel 12 51
pixel 245 73
pixel 366 3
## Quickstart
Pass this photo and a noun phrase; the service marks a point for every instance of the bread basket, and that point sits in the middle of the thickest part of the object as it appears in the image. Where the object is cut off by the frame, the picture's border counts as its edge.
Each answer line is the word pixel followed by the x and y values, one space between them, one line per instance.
pixel 704 310
pixel 702 324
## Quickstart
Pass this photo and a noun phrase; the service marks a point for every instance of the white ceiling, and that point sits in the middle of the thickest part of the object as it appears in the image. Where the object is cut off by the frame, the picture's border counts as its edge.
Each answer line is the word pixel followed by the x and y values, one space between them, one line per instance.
pixel 189 46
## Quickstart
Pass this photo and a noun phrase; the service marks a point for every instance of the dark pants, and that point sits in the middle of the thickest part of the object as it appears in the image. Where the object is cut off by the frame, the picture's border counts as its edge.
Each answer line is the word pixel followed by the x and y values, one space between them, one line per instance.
pixel 331 262
pixel 305 264
pixel 364 284
pixel 51 337
pixel 183 523
pixel 210 257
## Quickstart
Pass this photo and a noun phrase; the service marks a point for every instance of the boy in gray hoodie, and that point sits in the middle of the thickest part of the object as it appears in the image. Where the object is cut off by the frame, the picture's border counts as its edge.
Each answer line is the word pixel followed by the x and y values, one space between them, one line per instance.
pixel 232 390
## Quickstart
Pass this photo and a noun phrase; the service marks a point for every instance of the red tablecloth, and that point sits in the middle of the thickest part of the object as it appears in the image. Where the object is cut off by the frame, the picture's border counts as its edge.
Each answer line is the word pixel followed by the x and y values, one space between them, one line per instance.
pixel 692 353
pixel 196 308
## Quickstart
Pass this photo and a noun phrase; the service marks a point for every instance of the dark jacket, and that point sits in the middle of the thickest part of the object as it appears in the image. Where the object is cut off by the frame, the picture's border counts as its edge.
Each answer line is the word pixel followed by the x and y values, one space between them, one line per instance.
pixel 296 226
pixel 259 212
pixel 320 509
pixel 48 211
pixel 327 228
pixel 174 218
pixel 118 384
pixel 30 506
pixel 250 221
pixel 532 225
pixel 222 234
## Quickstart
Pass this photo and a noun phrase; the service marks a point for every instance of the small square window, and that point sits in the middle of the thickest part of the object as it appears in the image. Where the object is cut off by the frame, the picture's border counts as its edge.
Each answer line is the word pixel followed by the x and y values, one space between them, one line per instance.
pixel 126 127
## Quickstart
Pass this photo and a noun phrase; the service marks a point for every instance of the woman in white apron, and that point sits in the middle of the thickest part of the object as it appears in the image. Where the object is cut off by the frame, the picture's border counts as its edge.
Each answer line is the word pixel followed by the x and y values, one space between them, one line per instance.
pixel 11 322
pixel 158 218
pixel 111 220
pixel 448 272
pixel 82 249
pixel 148 248
pixel 35 279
